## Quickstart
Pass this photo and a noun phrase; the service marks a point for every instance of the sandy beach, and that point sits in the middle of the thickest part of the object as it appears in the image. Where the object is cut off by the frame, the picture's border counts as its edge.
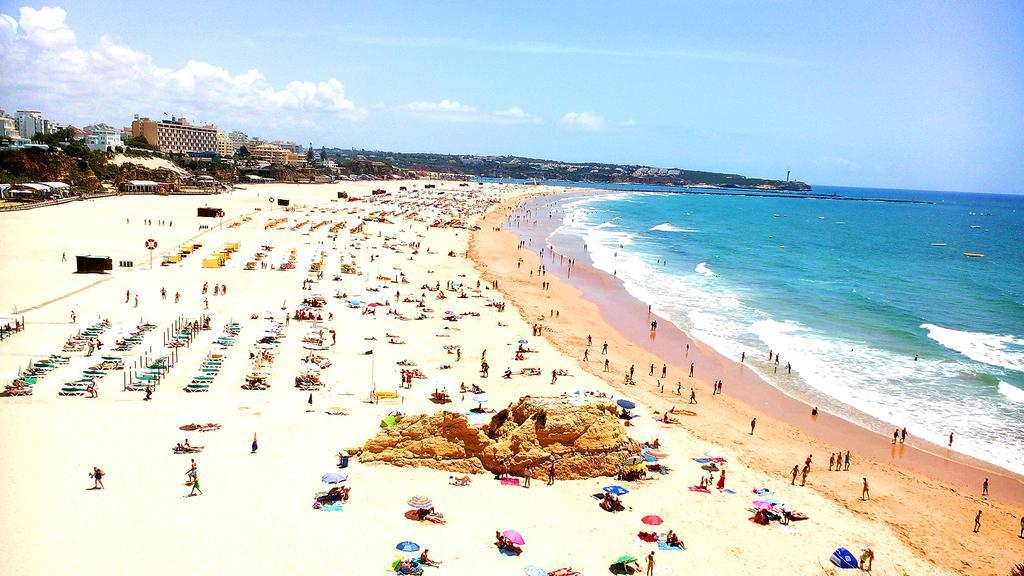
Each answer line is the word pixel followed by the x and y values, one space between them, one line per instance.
pixel 255 514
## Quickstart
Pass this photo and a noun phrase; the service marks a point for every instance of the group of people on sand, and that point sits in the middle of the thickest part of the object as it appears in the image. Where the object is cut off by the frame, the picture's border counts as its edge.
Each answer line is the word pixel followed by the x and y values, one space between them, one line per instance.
pixel 504 543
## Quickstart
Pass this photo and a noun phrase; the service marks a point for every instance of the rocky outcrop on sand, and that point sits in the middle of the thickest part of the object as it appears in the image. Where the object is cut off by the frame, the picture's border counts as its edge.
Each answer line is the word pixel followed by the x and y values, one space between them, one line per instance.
pixel 585 441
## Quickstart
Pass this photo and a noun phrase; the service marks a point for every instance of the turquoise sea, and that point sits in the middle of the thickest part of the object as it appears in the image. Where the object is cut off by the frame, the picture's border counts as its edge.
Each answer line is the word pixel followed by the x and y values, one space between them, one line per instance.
pixel 875 305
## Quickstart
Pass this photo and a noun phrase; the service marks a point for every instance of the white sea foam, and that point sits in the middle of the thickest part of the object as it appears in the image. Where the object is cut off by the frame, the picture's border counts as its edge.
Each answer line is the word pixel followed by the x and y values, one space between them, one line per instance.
pixel 1005 351
pixel 667 227
pixel 702 268
pixel 1010 391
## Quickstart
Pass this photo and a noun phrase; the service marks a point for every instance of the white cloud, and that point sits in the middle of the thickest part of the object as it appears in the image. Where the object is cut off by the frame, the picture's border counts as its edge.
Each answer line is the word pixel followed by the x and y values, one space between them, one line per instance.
pixel 444 106
pixel 42 65
pixel 516 115
pixel 587 121
pixel 455 111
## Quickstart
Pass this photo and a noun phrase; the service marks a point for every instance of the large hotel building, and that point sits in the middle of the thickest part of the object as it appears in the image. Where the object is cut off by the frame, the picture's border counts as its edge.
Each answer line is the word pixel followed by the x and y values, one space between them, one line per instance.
pixel 176 135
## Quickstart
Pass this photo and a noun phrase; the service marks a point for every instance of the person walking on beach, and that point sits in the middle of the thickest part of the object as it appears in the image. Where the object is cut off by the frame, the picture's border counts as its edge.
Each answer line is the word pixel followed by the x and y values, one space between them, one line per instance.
pixel 804 473
pixel 743 357
pixel 664 370
pixel 1021 527
pixel 831 461
pixel 753 424
pixel 796 470
pixel 255 446
pixel 590 341
pixel 127 296
pixel 977 522
pixel 586 354
pixel 693 396
pixel 903 436
pixel 651 373
pixel 192 471
pixel 195 487
pixel 97 478
pixel 950 439
pixel 679 388
pixel 604 349
pixel 605 364
pixel 163 293
pixel 846 463
pixel 650 564
pixel 691 369
pixel 895 436
pixel 527 475
pixel 551 472
pixel 984 489
pixel 865 494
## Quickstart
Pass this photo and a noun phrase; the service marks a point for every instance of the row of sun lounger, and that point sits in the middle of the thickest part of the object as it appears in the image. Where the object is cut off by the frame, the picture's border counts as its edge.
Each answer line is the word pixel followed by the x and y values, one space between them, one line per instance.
pixel 211 365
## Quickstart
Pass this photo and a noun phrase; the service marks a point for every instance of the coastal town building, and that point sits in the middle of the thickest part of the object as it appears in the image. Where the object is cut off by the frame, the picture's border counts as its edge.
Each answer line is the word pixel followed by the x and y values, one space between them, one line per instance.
pixel 276 155
pixel 31 122
pixel 8 127
pixel 176 135
pixel 101 138
pixel 226 147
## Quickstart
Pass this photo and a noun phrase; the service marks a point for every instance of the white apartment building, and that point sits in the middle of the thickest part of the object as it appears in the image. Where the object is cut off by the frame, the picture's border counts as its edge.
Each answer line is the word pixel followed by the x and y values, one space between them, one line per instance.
pixel 8 127
pixel 101 137
pixel 31 122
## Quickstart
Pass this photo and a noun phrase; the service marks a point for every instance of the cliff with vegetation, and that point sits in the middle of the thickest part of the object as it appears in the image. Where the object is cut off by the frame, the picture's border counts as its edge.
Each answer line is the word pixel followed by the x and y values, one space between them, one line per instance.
pixel 533 168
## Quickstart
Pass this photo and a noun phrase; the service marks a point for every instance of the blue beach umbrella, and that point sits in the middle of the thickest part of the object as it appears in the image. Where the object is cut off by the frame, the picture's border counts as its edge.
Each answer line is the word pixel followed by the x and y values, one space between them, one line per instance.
pixel 523 341
pixel 408 546
pixel 616 490
pixel 625 403
pixel 334 478
pixel 535 571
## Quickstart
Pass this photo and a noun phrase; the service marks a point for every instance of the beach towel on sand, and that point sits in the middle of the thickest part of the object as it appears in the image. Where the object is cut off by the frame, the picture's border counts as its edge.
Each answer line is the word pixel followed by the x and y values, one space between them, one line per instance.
pixel 510 481
pixel 332 508
pixel 699 489
pixel 664 546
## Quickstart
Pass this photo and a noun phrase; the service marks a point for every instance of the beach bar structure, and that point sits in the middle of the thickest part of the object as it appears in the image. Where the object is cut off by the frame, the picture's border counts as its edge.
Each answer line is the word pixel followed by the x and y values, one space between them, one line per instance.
pixel 141 186
pixel 93 264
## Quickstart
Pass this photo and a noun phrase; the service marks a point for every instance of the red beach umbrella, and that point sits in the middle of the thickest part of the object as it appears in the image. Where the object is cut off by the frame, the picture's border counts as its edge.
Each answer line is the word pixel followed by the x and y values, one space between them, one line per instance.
pixel 652 520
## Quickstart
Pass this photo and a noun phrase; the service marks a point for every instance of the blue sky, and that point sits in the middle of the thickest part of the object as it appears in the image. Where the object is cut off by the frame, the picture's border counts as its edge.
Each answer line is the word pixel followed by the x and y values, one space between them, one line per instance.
pixel 923 95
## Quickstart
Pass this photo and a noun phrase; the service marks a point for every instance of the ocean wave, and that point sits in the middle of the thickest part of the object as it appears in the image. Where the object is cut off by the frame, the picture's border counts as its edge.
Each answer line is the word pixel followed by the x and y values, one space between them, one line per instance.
pixel 1010 391
pixel 1004 351
pixel 667 227
pixel 702 268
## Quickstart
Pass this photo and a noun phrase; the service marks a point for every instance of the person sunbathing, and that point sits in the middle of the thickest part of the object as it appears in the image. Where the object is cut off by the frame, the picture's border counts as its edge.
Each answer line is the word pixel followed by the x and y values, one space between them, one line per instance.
pixel 507 374
pixel 459 481
pixel 672 540
pixel 426 560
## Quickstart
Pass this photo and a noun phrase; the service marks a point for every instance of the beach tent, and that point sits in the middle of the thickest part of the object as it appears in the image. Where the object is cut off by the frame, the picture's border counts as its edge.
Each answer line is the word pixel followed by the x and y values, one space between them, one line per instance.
pixel 843 558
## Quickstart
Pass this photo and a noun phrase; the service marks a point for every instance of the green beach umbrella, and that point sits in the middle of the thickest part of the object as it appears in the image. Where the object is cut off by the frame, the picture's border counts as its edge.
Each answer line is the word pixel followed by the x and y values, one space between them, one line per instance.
pixel 624 559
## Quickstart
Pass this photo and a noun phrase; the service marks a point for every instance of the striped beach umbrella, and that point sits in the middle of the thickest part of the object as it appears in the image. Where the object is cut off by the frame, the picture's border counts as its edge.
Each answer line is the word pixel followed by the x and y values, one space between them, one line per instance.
pixel 420 502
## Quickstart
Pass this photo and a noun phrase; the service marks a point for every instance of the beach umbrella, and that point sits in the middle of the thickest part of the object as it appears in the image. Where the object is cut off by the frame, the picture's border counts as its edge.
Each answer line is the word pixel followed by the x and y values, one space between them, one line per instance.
pixel 513 537
pixel 616 490
pixel 408 546
pixel 479 398
pixel 334 478
pixel 656 454
pixel 535 571
pixel 420 502
pixel 624 559
pixel 523 341
pixel 632 460
pixel 652 520
pixel 625 403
